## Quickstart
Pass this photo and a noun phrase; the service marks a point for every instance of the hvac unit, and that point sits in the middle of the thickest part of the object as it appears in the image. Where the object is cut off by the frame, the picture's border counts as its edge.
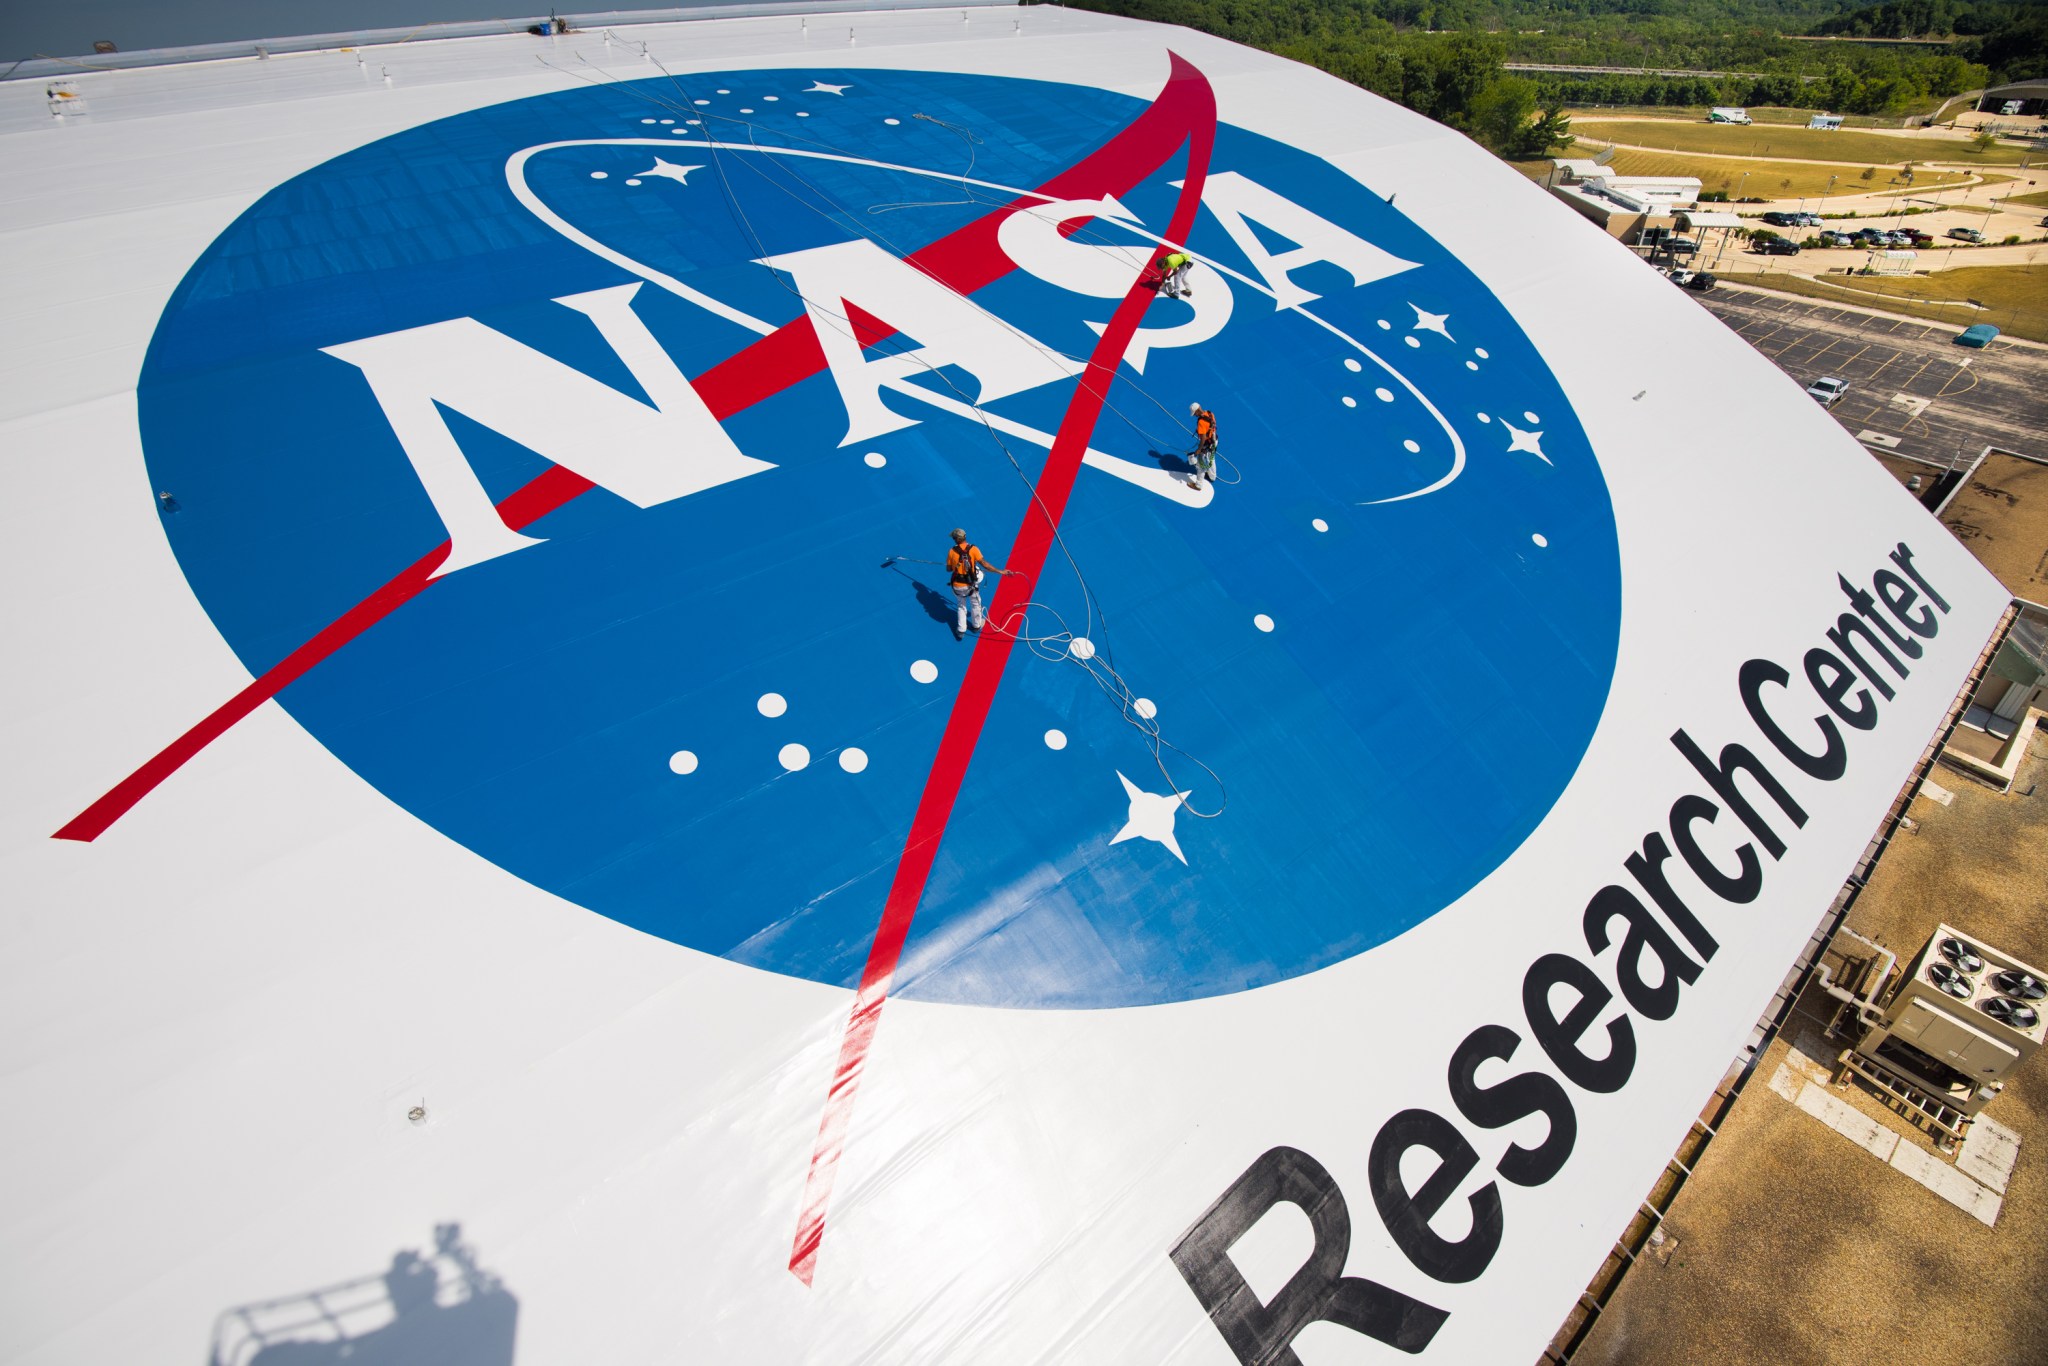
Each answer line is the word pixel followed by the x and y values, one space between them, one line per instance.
pixel 1941 1042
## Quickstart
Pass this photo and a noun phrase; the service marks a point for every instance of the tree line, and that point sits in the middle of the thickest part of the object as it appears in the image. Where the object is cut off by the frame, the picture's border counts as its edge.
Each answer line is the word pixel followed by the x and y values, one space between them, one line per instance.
pixel 1445 58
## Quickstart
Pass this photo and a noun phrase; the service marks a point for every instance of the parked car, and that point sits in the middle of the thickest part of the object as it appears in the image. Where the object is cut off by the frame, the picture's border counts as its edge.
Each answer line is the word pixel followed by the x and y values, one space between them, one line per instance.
pixel 1701 280
pixel 1915 237
pixel 1966 234
pixel 1979 335
pixel 1777 246
pixel 1782 220
pixel 1679 277
pixel 1828 392
pixel 1681 246
pixel 1837 239
pixel 1807 220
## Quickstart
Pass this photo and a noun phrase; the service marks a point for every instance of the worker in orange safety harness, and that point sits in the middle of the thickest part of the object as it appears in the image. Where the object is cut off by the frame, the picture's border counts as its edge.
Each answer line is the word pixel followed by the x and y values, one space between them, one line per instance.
pixel 964 566
pixel 1205 445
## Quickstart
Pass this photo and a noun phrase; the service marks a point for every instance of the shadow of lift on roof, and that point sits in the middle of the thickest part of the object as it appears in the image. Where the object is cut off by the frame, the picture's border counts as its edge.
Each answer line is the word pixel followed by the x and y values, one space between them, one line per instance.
pixel 440 1308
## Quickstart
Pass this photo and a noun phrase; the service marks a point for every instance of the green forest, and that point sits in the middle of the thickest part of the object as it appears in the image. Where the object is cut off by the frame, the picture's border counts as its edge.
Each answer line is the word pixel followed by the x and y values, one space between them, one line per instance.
pixel 1448 59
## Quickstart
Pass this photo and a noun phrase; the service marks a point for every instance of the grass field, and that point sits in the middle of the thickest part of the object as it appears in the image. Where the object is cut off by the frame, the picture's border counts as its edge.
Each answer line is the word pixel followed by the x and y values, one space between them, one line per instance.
pixel 2014 298
pixel 1776 116
pixel 2038 200
pixel 1848 145
pixel 1766 179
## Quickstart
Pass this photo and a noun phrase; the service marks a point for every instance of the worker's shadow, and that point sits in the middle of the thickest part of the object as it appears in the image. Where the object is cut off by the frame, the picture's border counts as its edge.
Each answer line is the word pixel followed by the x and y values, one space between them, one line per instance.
pixel 437 1307
pixel 939 607
pixel 1174 462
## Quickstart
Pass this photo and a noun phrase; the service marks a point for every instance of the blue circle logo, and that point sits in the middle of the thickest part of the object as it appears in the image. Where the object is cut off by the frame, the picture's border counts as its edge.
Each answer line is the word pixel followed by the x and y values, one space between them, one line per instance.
pixel 580 472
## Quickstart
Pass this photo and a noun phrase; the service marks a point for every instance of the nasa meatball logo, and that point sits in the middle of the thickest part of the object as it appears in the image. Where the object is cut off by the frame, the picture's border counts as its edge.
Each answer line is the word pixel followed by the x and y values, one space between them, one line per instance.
pixel 578 471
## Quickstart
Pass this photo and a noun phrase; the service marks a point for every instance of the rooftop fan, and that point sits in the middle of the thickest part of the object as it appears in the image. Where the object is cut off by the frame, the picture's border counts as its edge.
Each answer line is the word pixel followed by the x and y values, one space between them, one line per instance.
pixel 2007 1011
pixel 2024 985
pixel 1950 981
pixel 1962 955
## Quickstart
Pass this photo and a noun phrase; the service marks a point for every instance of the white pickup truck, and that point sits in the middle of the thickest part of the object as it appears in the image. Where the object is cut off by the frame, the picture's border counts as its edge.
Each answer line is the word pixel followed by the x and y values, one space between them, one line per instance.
pixel 1828 392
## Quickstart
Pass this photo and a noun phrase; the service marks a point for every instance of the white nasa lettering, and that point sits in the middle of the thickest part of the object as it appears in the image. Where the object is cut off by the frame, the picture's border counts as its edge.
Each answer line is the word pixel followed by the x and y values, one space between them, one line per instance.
pixel 1032 239
pixel 1234 199
pixel 645 455
pixel 951 331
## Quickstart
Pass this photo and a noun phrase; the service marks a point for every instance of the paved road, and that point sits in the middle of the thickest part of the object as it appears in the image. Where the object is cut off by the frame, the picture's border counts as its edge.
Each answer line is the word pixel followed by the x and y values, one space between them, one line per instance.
pixel 1972 399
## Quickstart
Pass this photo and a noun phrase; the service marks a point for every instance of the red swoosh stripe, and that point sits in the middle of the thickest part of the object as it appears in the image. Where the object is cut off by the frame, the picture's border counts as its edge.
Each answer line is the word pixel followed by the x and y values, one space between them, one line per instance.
pixel 1191 107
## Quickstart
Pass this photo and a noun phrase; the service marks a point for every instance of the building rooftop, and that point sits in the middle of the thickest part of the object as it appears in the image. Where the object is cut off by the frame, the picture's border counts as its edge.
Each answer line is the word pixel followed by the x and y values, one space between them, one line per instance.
pixel 1791 1243
pixel 2001 513
pixel 467 766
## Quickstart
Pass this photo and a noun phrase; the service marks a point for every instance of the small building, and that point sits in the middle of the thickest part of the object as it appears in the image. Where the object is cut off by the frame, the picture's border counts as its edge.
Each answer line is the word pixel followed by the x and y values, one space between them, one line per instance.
pixel 1724 114
pixel 2018 98
pixel 1626 207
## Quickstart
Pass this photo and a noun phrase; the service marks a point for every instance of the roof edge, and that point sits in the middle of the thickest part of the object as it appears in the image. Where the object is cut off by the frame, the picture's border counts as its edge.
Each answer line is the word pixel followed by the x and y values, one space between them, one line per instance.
pixel 42 67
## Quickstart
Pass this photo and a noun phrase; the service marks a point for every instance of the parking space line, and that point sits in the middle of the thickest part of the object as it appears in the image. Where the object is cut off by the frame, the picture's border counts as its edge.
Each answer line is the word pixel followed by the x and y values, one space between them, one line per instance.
pixel 1946 392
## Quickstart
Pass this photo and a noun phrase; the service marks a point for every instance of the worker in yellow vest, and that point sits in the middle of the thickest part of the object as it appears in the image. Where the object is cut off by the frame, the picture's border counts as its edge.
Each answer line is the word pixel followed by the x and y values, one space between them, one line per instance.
pixel 1176 264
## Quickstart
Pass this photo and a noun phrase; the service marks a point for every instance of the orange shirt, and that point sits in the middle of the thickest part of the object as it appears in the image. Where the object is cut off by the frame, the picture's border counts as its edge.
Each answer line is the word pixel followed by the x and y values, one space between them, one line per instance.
pixel 961 561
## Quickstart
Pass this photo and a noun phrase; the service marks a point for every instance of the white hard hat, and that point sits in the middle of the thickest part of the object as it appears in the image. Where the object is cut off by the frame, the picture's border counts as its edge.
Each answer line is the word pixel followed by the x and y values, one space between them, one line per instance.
pixel 1194 407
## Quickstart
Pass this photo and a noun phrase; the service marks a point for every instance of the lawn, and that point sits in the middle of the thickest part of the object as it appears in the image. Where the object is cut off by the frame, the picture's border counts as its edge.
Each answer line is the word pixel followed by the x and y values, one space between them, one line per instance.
pixel 2014 298
pixel 1873 149
pixel 2039 199
pixel 1767 179
pixel 1796 118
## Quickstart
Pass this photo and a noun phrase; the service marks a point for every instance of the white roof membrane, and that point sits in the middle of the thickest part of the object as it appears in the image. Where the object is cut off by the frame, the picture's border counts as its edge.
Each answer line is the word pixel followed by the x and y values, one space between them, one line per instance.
pixel 508 858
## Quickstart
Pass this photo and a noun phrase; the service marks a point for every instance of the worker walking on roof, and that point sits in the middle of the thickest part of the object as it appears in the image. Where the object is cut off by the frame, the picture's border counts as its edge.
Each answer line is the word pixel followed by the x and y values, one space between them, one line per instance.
pixel 1205 445
pixel 1176 265
pixel 964 566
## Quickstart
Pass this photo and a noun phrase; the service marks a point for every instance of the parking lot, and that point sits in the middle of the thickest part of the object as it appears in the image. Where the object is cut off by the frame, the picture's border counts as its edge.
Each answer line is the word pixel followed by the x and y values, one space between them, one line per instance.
pixel 1912 390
